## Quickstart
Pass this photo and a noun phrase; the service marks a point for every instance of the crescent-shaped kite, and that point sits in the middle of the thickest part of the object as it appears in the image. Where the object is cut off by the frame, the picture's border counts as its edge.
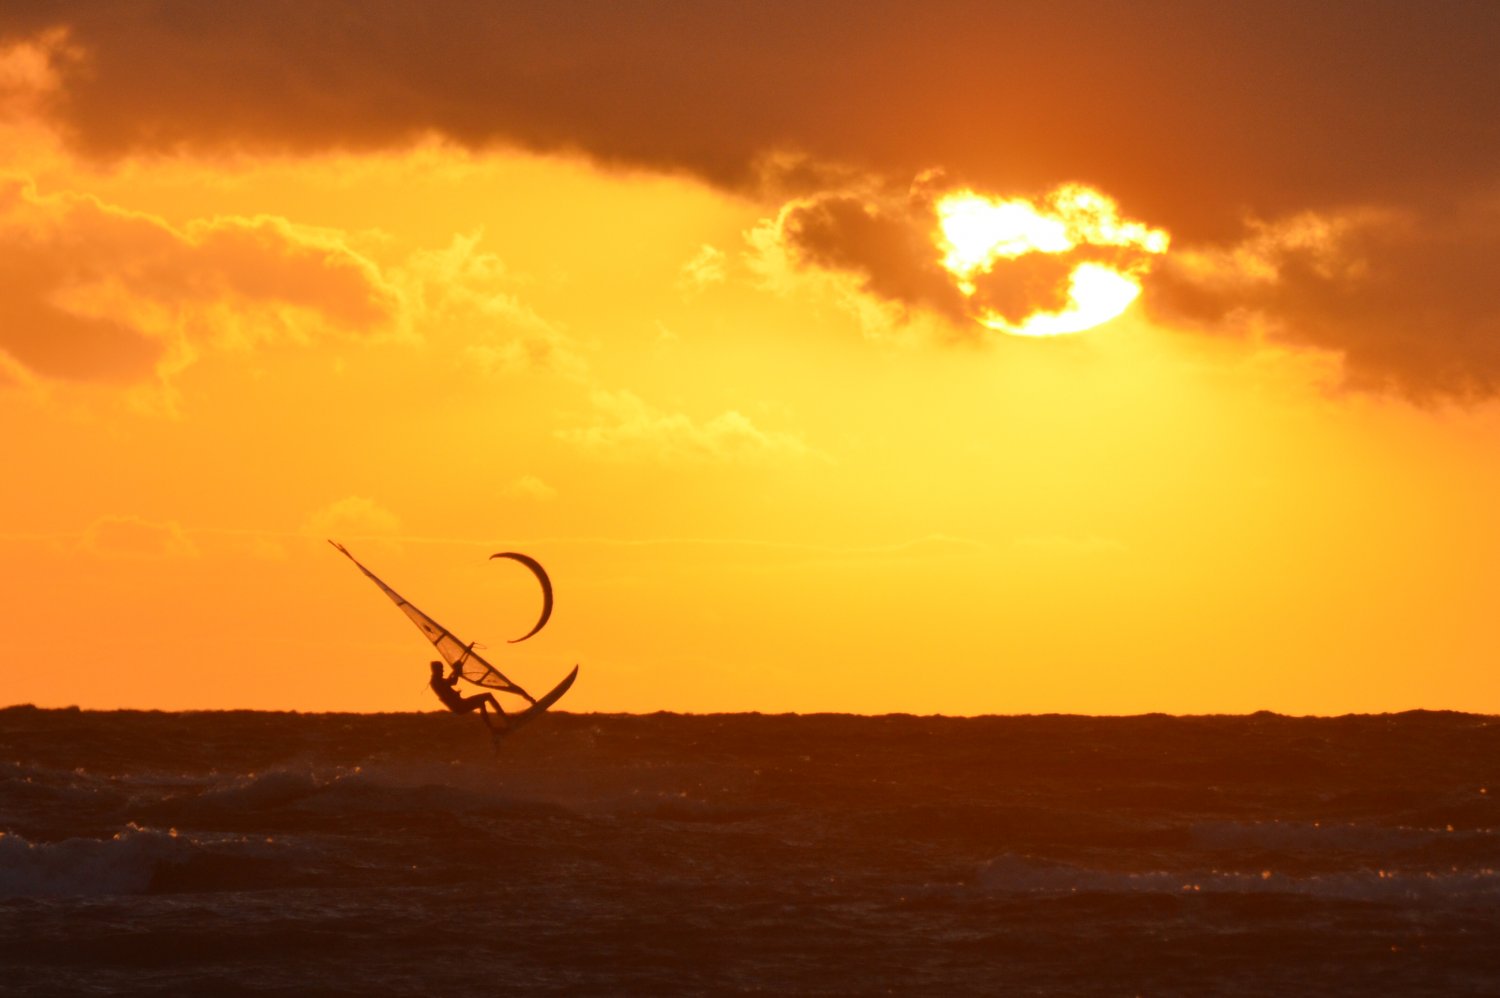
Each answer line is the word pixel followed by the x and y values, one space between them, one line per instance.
pixel 541 574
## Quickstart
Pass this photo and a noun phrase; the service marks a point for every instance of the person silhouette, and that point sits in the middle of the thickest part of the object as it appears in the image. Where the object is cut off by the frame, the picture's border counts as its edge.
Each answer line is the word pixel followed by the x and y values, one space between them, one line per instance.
pixel 445 688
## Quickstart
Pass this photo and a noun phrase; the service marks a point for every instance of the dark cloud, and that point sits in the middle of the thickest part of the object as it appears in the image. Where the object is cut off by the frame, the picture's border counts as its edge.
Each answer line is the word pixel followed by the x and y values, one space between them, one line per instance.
pixel 888 246
pixel 1409 300
pixel 1194 116
pixel 1036 282
pixel 1188 113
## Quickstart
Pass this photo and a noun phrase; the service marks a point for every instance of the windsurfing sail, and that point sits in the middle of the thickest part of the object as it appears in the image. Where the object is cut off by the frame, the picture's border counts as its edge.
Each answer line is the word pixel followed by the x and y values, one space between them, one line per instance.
pixel 471 665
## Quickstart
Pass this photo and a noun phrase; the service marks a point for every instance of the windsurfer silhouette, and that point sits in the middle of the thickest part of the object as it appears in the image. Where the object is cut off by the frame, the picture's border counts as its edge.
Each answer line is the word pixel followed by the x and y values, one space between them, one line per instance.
pixel 445 688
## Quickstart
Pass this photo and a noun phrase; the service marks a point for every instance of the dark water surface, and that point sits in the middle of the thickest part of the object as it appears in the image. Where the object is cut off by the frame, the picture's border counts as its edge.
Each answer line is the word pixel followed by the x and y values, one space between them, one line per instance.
pixel 285 854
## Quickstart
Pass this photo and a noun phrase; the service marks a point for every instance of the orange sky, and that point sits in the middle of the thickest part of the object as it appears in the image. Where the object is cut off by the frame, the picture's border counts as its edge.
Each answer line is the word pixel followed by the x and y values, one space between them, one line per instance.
pixel 661 300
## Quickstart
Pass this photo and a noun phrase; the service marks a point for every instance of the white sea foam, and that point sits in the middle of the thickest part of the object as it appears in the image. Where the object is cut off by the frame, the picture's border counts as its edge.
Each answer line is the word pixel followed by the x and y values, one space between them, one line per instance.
pixel 261 790
pixel 1308 836
pixel 121 864
pixel 1023 875
pixel 125 863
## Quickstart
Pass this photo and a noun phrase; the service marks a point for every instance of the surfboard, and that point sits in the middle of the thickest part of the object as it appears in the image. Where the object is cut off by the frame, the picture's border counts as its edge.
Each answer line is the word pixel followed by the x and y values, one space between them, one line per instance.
pixel 535 710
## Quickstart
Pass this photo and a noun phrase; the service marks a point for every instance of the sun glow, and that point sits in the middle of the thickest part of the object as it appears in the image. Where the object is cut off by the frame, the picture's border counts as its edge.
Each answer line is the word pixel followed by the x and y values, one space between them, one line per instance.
pixel 976 232
pixel 1096 294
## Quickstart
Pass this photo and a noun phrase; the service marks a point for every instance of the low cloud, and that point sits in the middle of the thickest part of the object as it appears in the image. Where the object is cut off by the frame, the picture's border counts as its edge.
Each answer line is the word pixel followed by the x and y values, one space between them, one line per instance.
pixel 134 537
pixel 632 430
pixel 352 516
pixel 531 487
pixel 93 292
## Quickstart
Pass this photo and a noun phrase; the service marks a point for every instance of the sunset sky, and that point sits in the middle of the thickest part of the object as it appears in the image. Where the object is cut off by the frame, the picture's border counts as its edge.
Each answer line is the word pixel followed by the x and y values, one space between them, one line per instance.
pixel 727 314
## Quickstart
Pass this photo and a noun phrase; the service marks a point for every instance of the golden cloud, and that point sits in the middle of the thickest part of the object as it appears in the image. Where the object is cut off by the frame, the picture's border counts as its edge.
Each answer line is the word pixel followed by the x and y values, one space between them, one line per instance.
pixel 531 487
pixel 633 430
pixel 134 537
pixel 92 291
pixel 351 516
pixel 461 281
pixel 709 266
pixel 1191 127
pixel 31 75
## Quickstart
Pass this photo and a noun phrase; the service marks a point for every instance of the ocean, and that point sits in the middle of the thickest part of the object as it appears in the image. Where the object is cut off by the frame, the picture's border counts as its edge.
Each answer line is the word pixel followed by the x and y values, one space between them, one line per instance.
pixel 249 853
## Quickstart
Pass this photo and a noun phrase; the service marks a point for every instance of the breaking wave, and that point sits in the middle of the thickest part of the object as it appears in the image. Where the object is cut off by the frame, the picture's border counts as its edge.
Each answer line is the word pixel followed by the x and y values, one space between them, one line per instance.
pixel 137 860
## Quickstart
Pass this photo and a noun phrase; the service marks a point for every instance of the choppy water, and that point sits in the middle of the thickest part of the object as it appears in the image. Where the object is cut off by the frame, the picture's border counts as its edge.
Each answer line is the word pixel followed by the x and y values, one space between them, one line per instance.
pixel 260 853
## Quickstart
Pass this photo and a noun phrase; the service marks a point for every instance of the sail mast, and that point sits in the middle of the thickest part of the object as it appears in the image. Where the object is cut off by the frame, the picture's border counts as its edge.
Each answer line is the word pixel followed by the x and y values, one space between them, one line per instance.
pixel 470 664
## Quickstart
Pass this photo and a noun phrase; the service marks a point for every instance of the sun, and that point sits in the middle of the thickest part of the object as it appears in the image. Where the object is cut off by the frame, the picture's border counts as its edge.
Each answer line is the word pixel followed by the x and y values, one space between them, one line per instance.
pixel 975 232
pixel 1096 294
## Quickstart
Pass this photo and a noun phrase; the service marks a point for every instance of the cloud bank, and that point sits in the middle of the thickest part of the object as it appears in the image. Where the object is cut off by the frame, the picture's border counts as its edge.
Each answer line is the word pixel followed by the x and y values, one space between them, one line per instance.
pixel 1187 113
pixel 1408 298
pixel 1214 122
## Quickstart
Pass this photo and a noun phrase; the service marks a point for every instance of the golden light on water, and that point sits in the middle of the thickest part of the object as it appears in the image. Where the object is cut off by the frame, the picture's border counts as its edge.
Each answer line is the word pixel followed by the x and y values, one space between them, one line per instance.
pixel 976 232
